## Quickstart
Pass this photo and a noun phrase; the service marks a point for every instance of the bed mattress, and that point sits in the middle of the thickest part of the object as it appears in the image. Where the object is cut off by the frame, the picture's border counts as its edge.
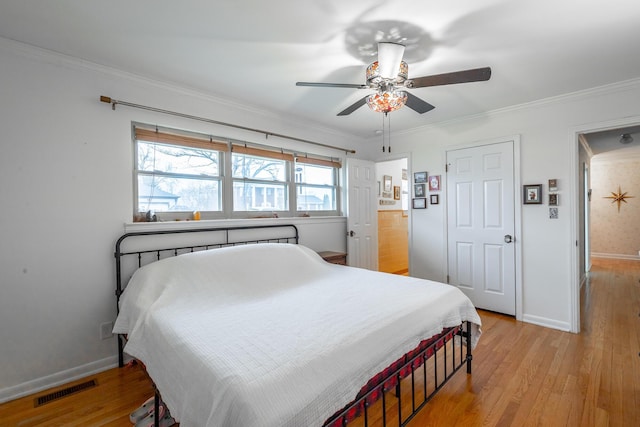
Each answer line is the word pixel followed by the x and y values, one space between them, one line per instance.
pixel 271 334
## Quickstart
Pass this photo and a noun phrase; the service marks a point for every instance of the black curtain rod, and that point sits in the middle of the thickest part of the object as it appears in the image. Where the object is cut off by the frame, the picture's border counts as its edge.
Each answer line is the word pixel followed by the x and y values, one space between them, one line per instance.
pixel 114 102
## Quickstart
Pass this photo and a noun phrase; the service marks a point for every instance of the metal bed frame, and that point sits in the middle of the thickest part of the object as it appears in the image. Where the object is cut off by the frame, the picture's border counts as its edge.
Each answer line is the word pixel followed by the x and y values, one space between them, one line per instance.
pixel 446 353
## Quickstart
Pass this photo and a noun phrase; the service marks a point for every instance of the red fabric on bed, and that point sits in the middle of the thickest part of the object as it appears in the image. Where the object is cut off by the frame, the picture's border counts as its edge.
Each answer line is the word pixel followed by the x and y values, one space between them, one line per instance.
pixel 390 380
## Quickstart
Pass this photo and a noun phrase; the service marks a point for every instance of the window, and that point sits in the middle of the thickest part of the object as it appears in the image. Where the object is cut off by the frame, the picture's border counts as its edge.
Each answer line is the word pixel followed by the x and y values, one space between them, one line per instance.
pixel 316 184
pixel 260 179
pixel 177 172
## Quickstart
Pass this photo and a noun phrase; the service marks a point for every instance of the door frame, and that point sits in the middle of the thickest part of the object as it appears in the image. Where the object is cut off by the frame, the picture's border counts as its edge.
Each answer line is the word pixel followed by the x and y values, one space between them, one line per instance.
pixel 574 203
pixel 515 139
pixel 398 156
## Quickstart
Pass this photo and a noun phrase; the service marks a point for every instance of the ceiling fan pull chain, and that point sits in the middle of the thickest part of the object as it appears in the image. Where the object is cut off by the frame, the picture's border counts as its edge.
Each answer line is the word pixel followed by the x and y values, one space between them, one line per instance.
pixel 389 129
pixel 383 134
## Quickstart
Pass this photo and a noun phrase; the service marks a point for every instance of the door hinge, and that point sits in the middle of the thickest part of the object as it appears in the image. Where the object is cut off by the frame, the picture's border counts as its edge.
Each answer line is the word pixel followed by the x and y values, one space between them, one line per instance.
pixel 446 167
pixel 447 278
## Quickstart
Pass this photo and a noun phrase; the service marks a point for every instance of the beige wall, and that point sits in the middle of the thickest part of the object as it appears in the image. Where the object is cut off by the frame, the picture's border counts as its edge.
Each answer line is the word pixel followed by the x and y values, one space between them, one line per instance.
pixel 615 233
pixel 393 233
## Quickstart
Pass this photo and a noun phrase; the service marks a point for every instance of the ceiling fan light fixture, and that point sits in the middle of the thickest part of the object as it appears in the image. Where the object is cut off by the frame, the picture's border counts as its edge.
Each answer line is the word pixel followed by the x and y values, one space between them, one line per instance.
pixel 386 102
pixel 375 78
pixel 389 59
pixel 626 138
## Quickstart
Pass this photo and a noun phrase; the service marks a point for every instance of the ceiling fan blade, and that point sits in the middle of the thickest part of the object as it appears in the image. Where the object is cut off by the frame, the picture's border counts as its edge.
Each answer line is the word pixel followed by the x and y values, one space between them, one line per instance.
pixel 342 85
pixel 466 76
pixel 353 107
pixel 418 104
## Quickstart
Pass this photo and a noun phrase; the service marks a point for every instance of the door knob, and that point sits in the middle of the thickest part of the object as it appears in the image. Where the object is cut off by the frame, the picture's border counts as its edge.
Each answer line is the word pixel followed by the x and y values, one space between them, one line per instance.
pixel 508 238
pixel 351 233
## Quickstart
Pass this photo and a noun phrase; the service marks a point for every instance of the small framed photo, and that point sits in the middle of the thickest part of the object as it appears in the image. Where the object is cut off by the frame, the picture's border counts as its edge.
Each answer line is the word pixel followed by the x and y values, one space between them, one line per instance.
pixel 418 190
pixel 386 183
pixel 434 199
pixel 553 213
pixel 396 192
pixel 419 177
pixel 420 203
pixel 434 183
pixel 553 199
pixel 532 194
pixel 553 185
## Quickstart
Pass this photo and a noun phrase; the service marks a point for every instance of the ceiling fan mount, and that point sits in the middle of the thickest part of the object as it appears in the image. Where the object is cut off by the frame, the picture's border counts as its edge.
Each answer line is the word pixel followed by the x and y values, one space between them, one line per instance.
pixel 389 76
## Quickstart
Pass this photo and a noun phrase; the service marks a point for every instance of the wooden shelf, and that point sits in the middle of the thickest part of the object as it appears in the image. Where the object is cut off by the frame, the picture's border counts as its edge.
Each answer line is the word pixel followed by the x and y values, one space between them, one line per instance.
pixel 334 257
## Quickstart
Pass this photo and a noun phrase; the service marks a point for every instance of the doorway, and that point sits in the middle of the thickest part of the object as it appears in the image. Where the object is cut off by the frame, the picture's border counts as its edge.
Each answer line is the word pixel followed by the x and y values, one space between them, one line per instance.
pixel 393 216
pixel 592 144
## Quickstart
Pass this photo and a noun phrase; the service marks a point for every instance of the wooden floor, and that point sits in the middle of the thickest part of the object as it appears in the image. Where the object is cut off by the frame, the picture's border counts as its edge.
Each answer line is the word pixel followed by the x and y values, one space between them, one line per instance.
pixel 523 375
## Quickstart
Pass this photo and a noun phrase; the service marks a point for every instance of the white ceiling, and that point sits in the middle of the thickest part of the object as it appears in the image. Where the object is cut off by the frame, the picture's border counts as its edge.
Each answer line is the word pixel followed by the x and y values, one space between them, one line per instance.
pixel 253 52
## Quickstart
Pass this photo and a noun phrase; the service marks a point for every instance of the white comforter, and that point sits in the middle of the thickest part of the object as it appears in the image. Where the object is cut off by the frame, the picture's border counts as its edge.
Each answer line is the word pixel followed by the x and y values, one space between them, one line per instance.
pixel 271 335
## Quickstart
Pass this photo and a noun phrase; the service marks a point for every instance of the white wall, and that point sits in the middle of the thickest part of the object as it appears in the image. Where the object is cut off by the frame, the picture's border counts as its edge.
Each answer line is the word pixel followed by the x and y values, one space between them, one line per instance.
pixel 66 192
pixel 392 168
pixel 548 149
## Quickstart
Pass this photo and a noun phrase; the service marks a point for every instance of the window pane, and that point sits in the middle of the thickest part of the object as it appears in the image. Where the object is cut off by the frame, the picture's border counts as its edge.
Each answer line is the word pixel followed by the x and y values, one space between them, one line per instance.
pixel 251 167
pixel 160 193
pixel 180 160
pixel 315 198
pixel 251 196
pixel 314 174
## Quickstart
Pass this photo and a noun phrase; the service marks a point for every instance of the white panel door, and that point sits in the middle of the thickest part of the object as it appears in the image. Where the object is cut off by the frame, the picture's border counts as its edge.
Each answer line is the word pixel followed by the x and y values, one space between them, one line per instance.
pixel 362 219
pixel 481 224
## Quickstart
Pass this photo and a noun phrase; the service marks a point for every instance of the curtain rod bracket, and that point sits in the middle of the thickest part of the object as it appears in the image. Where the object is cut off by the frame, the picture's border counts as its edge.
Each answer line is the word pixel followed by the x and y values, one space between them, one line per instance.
pixel 113 102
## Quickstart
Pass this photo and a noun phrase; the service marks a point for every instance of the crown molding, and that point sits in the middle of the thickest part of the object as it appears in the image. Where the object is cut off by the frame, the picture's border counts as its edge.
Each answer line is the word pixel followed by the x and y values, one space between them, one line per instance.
pixel 56 58
pixel 571 96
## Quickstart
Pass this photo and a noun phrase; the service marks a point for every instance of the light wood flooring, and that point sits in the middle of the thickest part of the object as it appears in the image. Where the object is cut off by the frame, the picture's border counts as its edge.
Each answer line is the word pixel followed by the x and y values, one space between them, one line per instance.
pixel 523 375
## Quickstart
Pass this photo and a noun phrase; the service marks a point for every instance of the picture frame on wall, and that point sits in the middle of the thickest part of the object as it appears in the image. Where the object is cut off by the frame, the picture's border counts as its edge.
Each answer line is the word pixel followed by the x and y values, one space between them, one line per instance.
pixel 419 203
pixel 434 199
pixel 418 190
pixel 434 183
pixel 553 199
pixel 420 177
pixel 396 192
pixel 532 194
pixel 386 183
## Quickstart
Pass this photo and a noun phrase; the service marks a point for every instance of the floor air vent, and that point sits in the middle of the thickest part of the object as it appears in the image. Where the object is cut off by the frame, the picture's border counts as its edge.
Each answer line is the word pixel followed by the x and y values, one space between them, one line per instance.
pixel 43 400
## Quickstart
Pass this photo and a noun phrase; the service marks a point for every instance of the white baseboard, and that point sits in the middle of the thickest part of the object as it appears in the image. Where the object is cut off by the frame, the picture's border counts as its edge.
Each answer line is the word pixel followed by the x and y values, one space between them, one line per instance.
pixel 59 378
pixel 549 323
pixel 615 256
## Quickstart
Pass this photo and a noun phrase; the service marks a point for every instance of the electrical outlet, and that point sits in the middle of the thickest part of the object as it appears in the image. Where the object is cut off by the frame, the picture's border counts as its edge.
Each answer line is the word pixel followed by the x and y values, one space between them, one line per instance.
pixel 106 329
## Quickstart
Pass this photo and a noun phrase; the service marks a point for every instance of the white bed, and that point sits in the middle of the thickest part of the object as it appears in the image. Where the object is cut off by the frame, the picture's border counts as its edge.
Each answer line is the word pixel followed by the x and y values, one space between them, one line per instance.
pixel 271 334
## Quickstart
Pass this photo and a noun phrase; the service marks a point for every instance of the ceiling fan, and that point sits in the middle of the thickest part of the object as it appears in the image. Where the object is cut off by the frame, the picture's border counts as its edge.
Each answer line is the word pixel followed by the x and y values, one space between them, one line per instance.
pixel 389 76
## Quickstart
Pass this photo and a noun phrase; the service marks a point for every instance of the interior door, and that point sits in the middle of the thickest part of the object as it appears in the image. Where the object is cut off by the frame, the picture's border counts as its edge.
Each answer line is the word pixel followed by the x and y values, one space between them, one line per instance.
pixel 481 224
pixel 362 226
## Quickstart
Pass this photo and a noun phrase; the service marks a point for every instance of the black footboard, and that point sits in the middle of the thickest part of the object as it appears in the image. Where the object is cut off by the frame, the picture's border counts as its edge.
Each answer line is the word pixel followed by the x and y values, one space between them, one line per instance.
pixel 412 385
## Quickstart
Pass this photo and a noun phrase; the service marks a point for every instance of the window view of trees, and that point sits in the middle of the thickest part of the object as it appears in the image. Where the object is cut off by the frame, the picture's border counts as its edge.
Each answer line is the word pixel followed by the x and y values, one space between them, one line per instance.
pixel 259 183
pixel 315 188
pixel 172 177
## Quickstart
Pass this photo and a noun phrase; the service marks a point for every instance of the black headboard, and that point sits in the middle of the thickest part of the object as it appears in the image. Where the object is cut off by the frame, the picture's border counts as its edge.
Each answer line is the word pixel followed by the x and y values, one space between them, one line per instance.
pixel 135 249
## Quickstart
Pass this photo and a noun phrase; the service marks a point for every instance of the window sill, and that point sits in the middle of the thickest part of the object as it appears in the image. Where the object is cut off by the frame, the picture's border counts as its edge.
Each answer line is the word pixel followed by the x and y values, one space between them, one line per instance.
pixel 132 227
